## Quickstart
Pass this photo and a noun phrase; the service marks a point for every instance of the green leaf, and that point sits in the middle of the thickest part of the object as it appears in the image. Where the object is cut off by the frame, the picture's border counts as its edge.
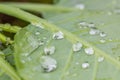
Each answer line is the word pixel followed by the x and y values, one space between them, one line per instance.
pixel 28 52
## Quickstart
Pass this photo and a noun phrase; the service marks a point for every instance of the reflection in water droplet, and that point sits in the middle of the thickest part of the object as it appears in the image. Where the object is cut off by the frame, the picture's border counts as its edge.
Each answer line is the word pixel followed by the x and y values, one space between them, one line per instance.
pixel 80 6
pixel 89 51
pixel 48 64
pixel 49 50
pixel 77 46
pixel 100 59
pixel 58 35
pixel 94 31
pixel 102 34
pixel 85 65
pixel 102 41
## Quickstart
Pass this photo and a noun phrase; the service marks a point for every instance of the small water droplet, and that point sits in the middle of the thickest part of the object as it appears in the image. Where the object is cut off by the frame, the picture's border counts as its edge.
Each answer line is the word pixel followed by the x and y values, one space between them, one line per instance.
pixel 80 6
pixel 77 46
pixel 41 43
pixel 89 51
pixel 38 24
pixel 100 59
pixel 58 35
pixel 48 64
pixel 83 24
pixel 102 34
pixel 91 25
pixel 49 50
pixel 102 41
pixel 85 65
pixel 94 31
pixel 37 33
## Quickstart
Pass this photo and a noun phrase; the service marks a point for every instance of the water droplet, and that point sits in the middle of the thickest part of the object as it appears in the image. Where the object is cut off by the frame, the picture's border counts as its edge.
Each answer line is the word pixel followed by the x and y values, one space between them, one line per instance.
pixel 58 35
pixel 41 43
pixel 83 24
pixel 80 6
pixel 85 65
pixel 77 46
pixel 91 25
pixel 49 50
pixel 89 51
pixel 94 31
pixel 102 34
pixel 37 33
pixel 100 59
pixel 102 41
pixel 38 25
pixel 48 64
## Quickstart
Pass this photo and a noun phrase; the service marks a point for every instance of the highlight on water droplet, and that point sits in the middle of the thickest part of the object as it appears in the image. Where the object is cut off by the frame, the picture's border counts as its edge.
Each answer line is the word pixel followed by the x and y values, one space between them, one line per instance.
pixel 89 51
pixel 80 6
pixel 100 58
pixel 48 64
pixel 58 35
pixel 77 46
pixel 49 50
pixel 85 65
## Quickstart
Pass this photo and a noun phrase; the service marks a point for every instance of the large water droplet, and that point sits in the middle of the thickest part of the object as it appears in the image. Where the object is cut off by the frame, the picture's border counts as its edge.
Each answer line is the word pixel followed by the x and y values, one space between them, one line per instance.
pixel 89 51
pixel 94 31
pixel 48 64
pixel 100 59
pixel 49 50
pixel 58 35
pixel 80 6
pixel 77 46
pixel 85 65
